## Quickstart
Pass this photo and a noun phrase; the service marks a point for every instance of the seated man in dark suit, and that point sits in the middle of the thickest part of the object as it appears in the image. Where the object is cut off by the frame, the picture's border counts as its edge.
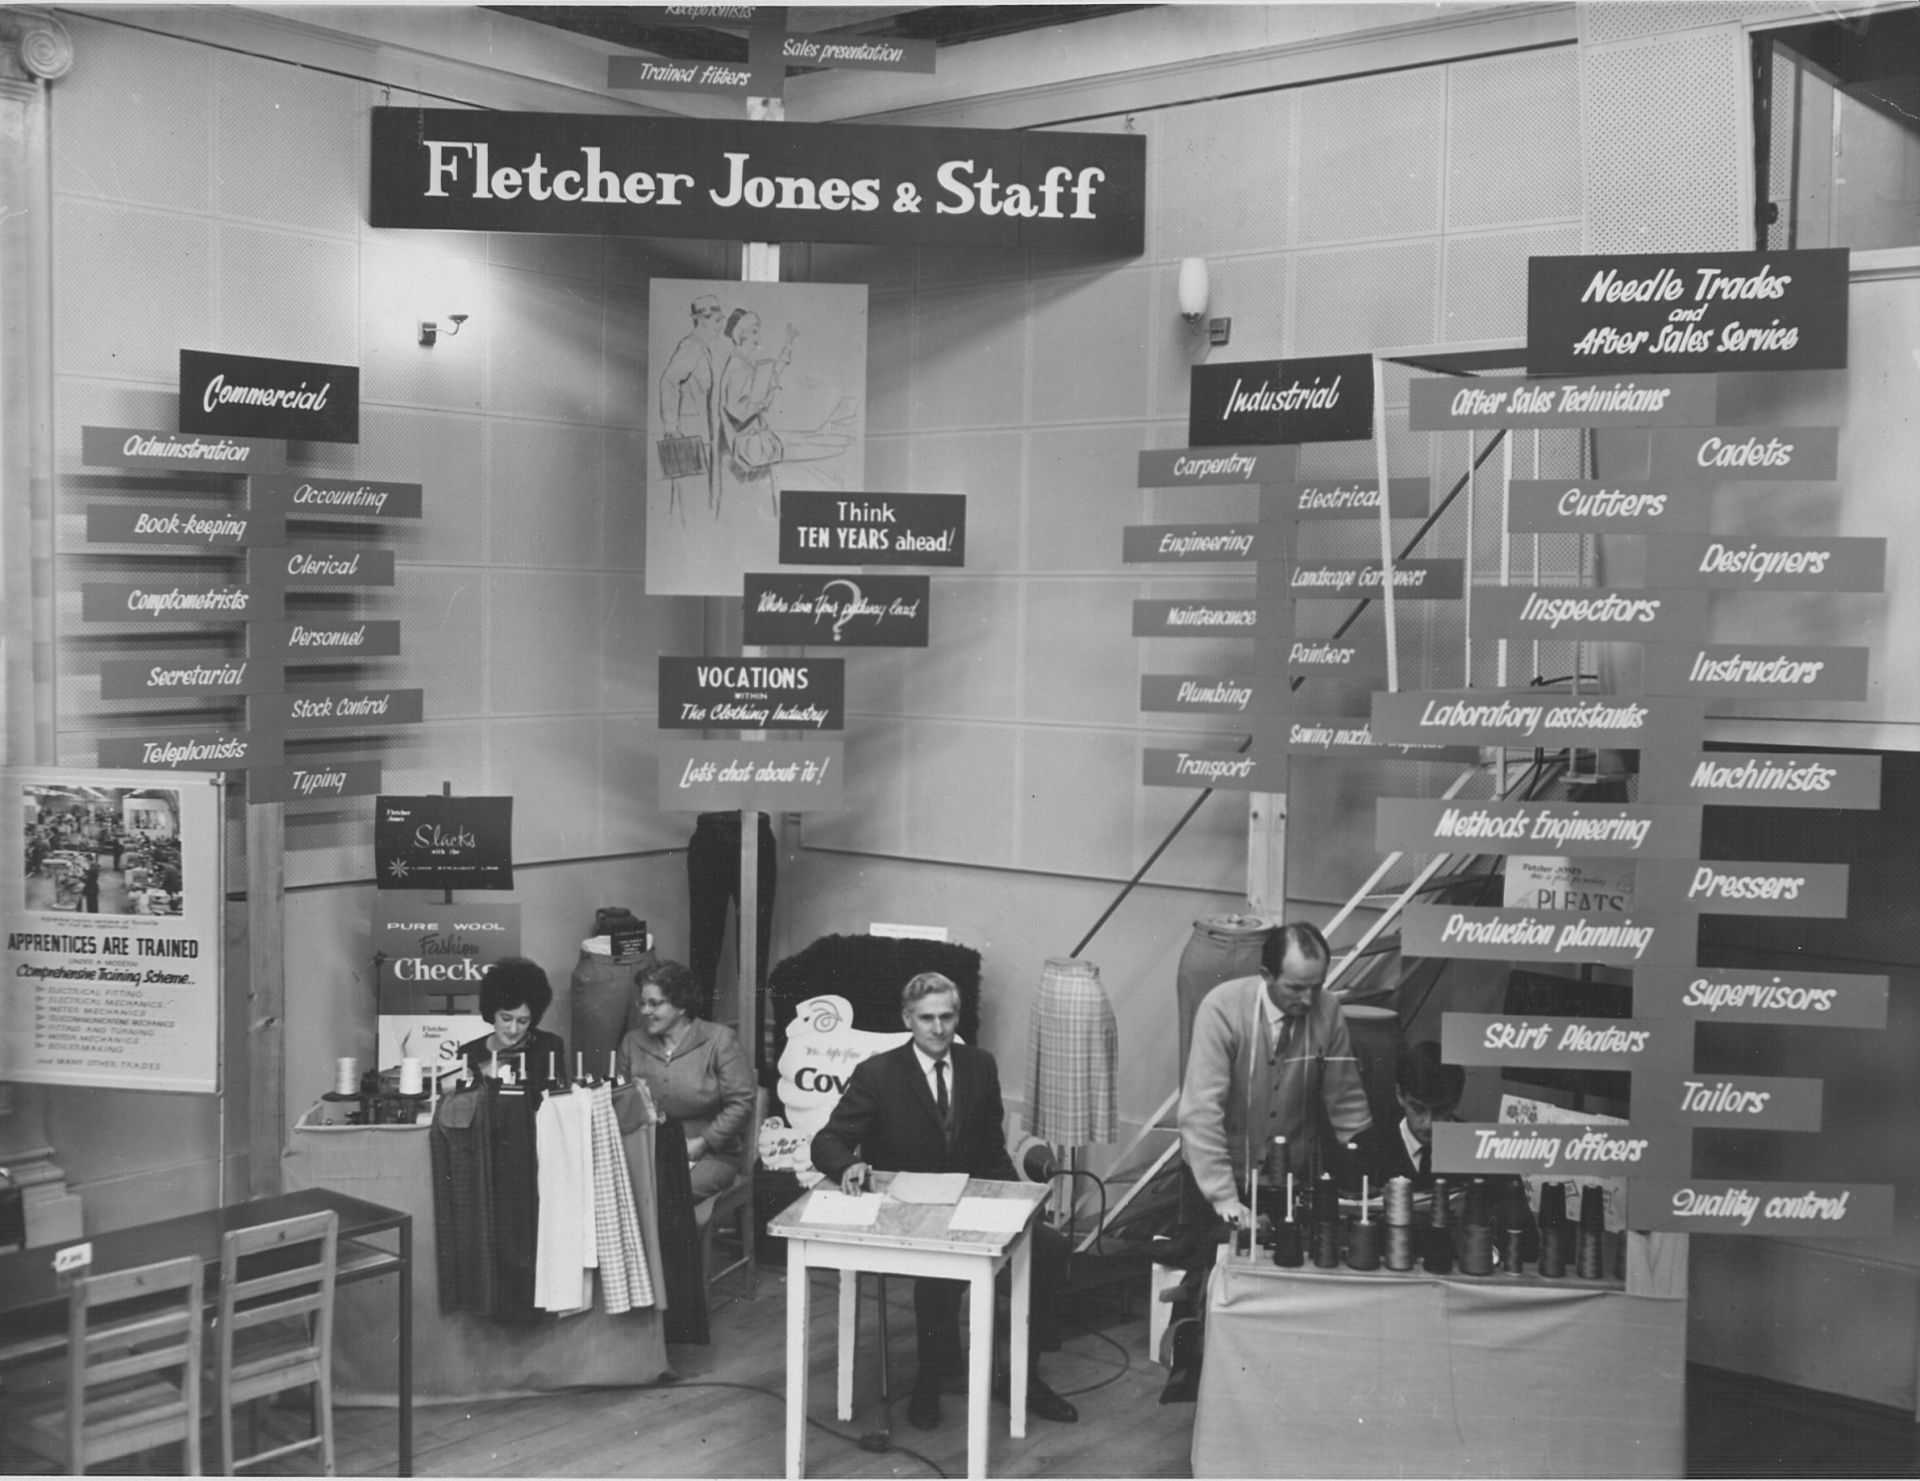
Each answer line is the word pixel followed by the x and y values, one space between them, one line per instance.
pixel 933 1105
pixel 1428 1091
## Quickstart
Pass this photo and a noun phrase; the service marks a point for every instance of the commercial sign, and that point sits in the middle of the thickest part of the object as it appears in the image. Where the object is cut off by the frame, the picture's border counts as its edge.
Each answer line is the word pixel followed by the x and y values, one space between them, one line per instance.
pixel 140 678
pixel 1533 718
pixel 1328 399
pixel 822 527
pixel 1769 563
pixel 1699 311
pixel 318 496
pixel 1449 403
pixel 182 524
pixel 1780 454
pixel 770 776
pixel 1494 933
pixel 335 708
pixel 443 843
pixel 325 640
pixel 1735 887
pixel 1747 669
pixel 1158 617
pixel 860 611
pixel 194 750
pixel 1751 995
pixel 1550 506
pixel 111 977
pixel 451 169
pixel 165 600
pixel 1742 1206
pixel 1345 498
pixel 752 694
pixel 295 400
pixel 1761 778
pixel 313 565
pixel 1588 830
pixel 1413 580
pixel 317 780
pixel 1178 467
pixel 1627 615
pixel 177 452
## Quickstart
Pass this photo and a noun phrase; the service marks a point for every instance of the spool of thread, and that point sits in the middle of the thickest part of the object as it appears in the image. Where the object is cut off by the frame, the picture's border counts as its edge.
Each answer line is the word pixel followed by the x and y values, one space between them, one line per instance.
pixel 1593 1208
pixel 346 1076
pixel 1556 1244
pixel 1277 1163
pixel 1436 1250
pixel 1479 1210
pixel 1590 1258
pixel 1326 1199
pixel 1400 1245
pixel 1513 1249
pixel 1289 1245
pixel 1326 1244
pixel 1553 1204
pixel 413 1080
pixel 1440 1214
pixel 1396 1204
pixel 1476 1249
pixel 1363 1245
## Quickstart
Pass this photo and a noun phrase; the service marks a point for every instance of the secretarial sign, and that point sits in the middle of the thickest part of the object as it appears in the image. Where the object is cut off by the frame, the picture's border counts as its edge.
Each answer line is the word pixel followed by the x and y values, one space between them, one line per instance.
pixel 1548 506
pixel 861 611
pixel 820 527
pixel 1602 831
pixel 133 447
pixel 179 601
pixel 771 776
pixel 140 678
pixel 1750 995
pixel 1628 615
pixel 1780 454
pixel 1448 403
pixel 297 400
pixel 1779 563
pixel 203 750
pixel 317 496
pixel 1761 778
pixel 1737 669
pixel 1699 311
pixel 1329 399
pixel 1736 887
pixel 1743 1206
pixel 448 169
pixel 752 694
pixel 1167 468
pixel 182 524
pixel 1536 718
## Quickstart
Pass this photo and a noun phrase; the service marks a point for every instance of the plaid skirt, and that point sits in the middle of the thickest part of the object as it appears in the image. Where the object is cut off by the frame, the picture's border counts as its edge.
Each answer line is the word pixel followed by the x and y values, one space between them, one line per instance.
pixel 1073 1055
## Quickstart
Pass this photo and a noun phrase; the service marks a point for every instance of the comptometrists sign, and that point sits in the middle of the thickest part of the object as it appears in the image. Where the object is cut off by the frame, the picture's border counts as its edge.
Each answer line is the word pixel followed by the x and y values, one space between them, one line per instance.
pixel 467 170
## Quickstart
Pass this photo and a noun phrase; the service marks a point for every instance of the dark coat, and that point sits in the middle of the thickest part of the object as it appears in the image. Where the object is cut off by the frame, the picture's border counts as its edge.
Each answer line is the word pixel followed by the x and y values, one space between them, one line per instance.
pixel 887 1119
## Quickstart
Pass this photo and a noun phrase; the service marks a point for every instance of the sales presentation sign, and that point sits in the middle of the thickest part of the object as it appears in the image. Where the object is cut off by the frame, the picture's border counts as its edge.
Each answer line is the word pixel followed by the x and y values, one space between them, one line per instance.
pixel 1329 399
pixel 447 169
pixel 255 397
pixel 1699 311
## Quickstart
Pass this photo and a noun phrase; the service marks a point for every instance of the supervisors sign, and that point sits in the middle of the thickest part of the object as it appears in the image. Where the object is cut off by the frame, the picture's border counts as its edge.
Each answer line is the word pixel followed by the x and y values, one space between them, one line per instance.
pixel 468 170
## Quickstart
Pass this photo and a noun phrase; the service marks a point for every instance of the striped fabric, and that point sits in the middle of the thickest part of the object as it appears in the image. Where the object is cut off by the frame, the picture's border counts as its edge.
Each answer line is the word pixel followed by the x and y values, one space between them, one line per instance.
pixel 624 1279
pixel 1073 1053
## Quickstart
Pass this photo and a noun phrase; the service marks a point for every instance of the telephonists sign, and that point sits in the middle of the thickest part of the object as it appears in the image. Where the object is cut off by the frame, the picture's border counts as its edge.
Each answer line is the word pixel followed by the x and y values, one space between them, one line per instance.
pixel 468 170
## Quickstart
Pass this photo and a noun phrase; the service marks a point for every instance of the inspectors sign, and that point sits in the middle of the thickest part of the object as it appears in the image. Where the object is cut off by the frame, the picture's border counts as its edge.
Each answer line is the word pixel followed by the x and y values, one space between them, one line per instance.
pixel 299 400
pixel 1704 311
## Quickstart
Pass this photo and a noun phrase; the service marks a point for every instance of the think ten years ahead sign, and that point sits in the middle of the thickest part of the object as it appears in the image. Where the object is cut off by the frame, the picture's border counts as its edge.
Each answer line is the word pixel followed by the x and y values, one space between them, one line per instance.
pixel 468 170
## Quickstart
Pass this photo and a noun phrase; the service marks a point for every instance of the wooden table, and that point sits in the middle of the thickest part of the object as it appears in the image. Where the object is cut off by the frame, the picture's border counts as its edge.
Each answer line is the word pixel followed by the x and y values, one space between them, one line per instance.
pixel 911 1239
pixel 31 1295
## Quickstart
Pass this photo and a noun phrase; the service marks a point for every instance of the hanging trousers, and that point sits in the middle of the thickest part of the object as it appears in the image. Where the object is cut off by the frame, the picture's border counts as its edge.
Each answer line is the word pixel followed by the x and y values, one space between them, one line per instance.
pixel 713 883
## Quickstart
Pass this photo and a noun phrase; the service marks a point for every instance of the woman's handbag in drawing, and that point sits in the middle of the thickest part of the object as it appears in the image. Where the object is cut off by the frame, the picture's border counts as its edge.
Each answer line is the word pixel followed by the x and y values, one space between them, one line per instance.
pixel 684 457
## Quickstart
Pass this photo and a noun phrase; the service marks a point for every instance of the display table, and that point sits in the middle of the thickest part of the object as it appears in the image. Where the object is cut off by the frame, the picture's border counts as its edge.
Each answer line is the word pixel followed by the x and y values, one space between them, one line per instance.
pixel 457 1355
pixel 1339 1373
pixel 911 1239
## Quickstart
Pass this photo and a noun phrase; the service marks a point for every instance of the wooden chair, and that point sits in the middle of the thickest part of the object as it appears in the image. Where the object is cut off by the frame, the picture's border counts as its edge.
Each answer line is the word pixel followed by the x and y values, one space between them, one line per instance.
pixel 734 1205
pixel 274 1330
pixel 108 1395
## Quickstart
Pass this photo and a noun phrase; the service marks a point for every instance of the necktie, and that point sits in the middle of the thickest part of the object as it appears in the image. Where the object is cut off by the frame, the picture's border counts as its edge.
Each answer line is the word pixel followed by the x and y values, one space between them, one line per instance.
pixel 940 1101
pixel 1426 1158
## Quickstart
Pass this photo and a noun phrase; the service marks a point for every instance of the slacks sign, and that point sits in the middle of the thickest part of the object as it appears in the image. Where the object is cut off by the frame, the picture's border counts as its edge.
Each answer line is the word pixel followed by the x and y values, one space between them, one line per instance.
pixel 466 170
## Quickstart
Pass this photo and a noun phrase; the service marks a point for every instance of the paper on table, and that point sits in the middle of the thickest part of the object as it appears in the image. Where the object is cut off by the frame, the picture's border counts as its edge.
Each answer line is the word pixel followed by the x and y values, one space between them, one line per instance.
pixel 991 1215
pixel 828 1206
pixel 928 1187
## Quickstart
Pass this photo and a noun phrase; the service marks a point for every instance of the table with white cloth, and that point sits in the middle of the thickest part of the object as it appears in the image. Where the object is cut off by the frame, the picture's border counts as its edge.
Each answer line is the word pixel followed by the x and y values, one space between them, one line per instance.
pixel 458 1355
pixel 1312 1372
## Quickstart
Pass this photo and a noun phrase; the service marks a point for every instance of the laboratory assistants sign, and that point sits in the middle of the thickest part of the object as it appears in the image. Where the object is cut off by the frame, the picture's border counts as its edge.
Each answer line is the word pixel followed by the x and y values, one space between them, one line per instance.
pixel 113 907
pixel 447 169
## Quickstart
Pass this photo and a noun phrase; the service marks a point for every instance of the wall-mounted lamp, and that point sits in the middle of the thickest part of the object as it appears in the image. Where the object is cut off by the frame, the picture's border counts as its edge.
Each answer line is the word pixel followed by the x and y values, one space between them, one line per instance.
pixel 430 330
pixel 1194 291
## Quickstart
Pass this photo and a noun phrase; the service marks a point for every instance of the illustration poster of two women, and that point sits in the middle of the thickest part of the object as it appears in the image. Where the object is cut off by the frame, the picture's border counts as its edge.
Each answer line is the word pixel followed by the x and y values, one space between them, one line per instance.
pixel 757 388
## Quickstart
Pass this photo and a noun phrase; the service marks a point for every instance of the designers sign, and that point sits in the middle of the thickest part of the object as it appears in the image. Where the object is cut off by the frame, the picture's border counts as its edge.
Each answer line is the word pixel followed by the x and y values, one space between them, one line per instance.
pixel 752 694
pixel 1703 311
pixel 443 843
pixel 297 400
pixel 789 610
pixel 1329 399
pixel 820 527
pixel 471 170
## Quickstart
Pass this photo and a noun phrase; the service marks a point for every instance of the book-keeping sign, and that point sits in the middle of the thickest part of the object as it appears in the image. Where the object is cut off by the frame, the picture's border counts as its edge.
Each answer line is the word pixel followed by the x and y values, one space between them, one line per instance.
pixel 752 694
pixel 250 396
pixel 1702 311
pixel 1329 399
pixel 191 525
pixel 443 843
pixel 859 611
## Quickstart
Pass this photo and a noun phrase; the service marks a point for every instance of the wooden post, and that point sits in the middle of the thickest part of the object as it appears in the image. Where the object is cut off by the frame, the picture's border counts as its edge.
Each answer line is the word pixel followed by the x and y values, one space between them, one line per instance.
pixel 266 996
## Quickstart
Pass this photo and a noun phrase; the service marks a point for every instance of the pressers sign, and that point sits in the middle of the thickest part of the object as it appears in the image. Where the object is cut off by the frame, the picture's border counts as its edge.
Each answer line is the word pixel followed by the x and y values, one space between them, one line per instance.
pixel 253 397
pixel 466 170
pixel 1281 401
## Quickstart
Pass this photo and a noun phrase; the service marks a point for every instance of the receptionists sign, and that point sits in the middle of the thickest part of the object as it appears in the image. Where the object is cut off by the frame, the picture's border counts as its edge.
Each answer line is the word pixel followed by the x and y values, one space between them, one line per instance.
pixel 445 169
pixel 113 937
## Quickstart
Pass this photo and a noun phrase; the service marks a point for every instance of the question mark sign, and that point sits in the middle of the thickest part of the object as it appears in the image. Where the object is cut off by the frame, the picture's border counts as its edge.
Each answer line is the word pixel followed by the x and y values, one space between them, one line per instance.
pixel 846 610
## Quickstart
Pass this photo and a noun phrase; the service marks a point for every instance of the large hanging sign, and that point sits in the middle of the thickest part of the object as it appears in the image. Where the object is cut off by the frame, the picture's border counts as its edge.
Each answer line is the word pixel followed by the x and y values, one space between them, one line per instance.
pixel 448 169
pixel 1329 399
pixel 113 936
pixel 1699 311
pixel 251 396
pixel 443 843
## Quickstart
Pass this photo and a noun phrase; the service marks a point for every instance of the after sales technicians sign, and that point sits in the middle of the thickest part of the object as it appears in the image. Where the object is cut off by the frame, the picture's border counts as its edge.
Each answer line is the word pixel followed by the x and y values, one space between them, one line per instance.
pixel 464 170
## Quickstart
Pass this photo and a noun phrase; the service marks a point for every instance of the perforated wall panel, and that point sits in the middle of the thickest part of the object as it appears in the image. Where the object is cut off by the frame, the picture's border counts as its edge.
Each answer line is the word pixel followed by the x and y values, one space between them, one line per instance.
pixel 1370 156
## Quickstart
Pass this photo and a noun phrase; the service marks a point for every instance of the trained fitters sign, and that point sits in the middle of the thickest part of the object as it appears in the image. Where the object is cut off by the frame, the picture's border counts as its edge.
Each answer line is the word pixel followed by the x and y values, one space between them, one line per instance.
pixel 450 169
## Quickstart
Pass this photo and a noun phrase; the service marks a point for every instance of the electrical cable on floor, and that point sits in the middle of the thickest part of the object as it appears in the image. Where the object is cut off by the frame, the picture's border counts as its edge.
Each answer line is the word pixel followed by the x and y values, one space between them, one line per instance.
pixel 858 1442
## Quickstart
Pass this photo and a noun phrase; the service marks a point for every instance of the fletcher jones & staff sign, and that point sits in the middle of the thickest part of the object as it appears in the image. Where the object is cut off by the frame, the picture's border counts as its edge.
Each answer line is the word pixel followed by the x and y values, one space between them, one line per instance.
pixel 466 170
